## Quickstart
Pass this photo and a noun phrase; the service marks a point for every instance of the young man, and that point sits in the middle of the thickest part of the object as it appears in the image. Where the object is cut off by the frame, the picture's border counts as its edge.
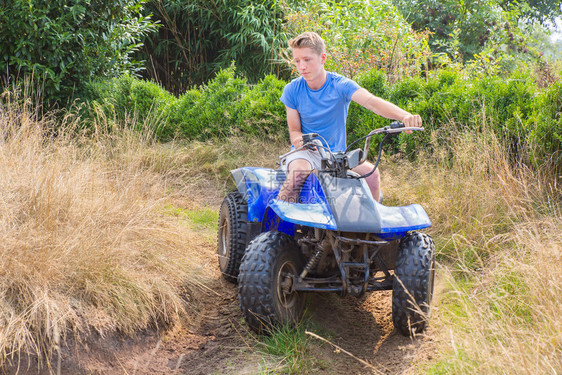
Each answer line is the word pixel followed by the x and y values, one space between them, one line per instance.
pixel 317 102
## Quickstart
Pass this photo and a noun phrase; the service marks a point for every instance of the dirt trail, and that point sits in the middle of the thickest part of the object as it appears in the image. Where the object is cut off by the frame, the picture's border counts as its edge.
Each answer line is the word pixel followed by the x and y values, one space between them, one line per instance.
pixel 219 342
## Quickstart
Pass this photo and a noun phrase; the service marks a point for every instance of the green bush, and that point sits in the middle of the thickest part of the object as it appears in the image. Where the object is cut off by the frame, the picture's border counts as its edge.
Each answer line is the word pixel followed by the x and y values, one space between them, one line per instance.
pixel 126 97
pixel 180 111
pixel 214 111
pixel 225 106
pixel 522 115
pixel 260 112
pixel 545 126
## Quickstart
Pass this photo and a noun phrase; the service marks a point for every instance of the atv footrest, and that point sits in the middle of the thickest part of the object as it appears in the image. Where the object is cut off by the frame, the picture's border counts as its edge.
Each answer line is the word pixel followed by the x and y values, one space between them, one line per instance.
pixel 335 285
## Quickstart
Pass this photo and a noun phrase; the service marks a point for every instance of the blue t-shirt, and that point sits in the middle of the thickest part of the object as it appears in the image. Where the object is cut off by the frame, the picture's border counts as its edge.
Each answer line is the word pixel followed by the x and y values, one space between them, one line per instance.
pixel 322 111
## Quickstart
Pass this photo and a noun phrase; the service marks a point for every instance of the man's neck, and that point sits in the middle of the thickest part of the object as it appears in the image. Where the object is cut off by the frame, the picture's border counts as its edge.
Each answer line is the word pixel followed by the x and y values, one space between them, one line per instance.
pixel 318 82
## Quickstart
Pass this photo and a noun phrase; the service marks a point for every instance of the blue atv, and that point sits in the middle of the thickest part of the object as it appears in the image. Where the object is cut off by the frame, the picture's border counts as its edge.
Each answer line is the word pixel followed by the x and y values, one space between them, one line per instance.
pixel 337 239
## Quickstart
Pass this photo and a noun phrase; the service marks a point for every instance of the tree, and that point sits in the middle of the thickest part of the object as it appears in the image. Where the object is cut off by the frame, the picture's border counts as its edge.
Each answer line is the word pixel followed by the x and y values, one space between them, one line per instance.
pixel 361 35
pixel 468 27
pixel 457 26
pixel 65 44
pixel 198 38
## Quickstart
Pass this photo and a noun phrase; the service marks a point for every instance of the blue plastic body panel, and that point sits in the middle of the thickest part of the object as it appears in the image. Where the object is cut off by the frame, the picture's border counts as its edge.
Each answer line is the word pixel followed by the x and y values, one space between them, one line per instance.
pixel 397 221
pixel 325 202
pixel 312 210
pixel 258 186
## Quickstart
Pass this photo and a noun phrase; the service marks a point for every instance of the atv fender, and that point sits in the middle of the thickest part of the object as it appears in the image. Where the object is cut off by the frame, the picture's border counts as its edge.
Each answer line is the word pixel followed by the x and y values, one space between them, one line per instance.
pixel 355 210
pixel 258 187
pixel 316 215
pixel 312 210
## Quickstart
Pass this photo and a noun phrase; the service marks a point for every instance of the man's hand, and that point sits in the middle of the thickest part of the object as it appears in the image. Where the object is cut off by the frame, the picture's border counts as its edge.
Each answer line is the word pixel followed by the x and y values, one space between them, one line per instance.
pixel 412 121
pixel 297 142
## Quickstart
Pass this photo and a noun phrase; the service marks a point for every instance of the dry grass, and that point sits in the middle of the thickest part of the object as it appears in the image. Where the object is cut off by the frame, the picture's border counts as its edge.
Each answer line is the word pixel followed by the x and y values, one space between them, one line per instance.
pixel 86 241
pixel 81 245
pixel 498 229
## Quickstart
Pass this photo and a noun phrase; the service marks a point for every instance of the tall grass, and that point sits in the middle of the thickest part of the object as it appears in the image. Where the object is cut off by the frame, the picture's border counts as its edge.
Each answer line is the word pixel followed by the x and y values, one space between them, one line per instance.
pixel 498 228
pixel 82 245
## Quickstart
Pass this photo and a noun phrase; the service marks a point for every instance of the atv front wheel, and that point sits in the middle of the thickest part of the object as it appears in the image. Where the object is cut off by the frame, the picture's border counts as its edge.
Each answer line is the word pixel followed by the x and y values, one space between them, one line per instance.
pixel 412 288
pixel 231 244
pixel 265 282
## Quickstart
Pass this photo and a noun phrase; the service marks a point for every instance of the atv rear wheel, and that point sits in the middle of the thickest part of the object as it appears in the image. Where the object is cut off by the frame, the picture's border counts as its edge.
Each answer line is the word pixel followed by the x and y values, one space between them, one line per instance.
pixel 231 244
pixel 265 282
pixel 412 288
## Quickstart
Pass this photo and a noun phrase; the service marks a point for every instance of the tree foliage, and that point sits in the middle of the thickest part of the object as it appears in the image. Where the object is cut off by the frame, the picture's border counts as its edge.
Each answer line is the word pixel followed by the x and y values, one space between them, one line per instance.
pixel 466 28
pixel 456 26
pixel 65 44
pixel 361 35
pixel 535 10
pixel 198 38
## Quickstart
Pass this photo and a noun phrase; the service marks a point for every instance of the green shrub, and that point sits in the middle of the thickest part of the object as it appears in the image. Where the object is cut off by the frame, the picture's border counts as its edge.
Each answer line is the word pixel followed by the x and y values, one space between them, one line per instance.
pixel 545 126
pixel 260 112
pixel 127 97
pixel 178 112
pixel 214 111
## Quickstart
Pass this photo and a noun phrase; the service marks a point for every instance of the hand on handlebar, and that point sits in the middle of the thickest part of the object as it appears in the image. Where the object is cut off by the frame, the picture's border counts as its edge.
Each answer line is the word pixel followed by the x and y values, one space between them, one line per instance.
pixel 412 121
pixel 307 139
pixel 297 142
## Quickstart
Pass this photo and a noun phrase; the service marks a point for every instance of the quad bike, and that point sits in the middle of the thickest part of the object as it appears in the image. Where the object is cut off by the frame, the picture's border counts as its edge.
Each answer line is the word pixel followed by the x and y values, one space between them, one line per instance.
pixel 337 239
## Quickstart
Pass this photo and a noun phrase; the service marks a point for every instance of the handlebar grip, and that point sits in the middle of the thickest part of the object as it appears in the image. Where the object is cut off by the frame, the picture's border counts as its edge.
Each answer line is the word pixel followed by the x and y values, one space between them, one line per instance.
pixel 396 125
pixel 309 137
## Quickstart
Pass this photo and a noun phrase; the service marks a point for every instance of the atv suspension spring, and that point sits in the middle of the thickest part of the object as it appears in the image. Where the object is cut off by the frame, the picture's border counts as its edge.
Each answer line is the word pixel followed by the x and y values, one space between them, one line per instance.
pixel 314 259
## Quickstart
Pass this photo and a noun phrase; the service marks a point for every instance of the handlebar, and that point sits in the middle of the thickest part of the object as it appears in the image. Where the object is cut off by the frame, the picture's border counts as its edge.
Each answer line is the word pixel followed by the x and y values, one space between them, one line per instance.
pixel 395 127
pixel 310 141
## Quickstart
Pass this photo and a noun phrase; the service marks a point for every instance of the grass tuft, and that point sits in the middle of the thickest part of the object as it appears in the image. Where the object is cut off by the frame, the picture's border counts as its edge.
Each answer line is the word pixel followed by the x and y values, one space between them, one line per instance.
pixel 290 347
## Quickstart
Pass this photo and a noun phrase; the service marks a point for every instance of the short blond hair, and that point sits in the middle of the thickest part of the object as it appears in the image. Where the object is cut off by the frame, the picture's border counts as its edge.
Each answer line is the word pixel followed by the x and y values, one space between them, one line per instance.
pixel 310 40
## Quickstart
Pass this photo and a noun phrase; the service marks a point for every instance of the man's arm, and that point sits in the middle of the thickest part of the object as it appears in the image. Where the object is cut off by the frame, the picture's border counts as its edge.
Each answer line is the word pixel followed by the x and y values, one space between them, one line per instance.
pixel 385 109
pixel 295 130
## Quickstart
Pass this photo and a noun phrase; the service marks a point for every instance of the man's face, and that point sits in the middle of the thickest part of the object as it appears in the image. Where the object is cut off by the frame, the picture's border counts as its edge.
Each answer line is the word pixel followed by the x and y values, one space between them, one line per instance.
pixel 309 63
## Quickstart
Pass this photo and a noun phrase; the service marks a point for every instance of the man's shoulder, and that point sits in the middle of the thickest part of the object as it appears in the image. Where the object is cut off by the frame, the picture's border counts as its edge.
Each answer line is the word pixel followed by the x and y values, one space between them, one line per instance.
pixel 291 92
pixel 295 82
pixel 337 78
pixel 345 86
